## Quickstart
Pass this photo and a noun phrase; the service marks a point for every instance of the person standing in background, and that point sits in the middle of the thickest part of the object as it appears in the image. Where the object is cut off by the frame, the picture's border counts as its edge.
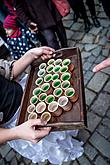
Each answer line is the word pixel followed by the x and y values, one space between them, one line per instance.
pixel 42 16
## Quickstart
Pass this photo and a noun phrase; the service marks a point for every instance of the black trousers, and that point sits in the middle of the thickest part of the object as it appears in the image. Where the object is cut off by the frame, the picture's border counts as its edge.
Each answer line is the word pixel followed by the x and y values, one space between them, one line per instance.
pixel 106 6
pixel 79 7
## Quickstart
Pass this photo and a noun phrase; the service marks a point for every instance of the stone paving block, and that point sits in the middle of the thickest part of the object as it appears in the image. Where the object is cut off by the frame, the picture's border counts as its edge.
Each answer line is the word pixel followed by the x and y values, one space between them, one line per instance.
pixel 69 34
pixel 102 15
pixel 27 161
pixel 18 156
pixel 101 105
pixel 100 161
pixel 97 82
pixel 95 31
pixel 107 87
pixel 67 163
pixel 67 23
pixel 76 26
pixel 103 33
pixel 83 135
pixel 91 59
pixel 77 36
pixel 108 113
pixel 96 52
pixel 87 66
pixel 85 54
pixel 93 121
pixel 104 23
pixel 106 122
pixel 10 156
pixel 80 46
pixel 101 144
pixel 4 149
pixel 99 59
pixel 21 163
pixel 2 162
pixel 89 96
pixel 74 163
pixel 104 131
pixel 14 162
pixel 105 52
pixel 89 47
pixel 71 43
pixel 88 38
pixel 103 41
pixel 90 151
pixel 68 17
pixel 107 71
pixel 88 75
pixel 83 161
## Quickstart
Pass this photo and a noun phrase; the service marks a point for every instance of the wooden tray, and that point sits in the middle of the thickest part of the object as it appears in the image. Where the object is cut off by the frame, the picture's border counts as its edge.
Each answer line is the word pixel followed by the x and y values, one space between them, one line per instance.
pixel 74 119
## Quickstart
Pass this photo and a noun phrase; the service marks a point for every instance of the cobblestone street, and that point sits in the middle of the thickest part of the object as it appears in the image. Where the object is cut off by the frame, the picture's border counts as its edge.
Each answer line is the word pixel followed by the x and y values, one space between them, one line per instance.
pixel 94 48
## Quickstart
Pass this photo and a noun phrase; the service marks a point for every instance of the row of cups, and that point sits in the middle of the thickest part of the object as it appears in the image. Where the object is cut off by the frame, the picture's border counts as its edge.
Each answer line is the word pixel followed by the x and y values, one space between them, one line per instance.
pixel 54 108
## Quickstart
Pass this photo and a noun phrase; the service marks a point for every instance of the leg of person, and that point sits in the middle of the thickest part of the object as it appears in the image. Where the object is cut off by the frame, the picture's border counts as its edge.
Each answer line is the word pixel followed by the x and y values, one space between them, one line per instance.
pixel 61 33
pixel 91 6
pixel 106 6
pixel 50 38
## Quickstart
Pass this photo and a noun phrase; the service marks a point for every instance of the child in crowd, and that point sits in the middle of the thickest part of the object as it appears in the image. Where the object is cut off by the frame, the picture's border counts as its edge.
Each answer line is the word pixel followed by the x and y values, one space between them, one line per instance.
pixel 57 147
pixel 19 40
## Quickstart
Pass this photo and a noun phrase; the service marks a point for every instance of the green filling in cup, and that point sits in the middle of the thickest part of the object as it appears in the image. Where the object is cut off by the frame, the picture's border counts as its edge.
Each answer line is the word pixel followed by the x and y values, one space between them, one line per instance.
pixel 57 92
pixel 50 62
pixel 55 76
pixel 69 92
pixel 49 69
pixel 34 100
pixel 37 91
pixel 49 99
pixel 41 72
pixel 65 84
pixel 45 87
pixel 42 96
pixel 48 78
pixel 39 81
pixel 42 66
pixel 64 69
pixel 65 76
pixel 58 62
pixel 56 69
pixel 56 83
pixel 66 62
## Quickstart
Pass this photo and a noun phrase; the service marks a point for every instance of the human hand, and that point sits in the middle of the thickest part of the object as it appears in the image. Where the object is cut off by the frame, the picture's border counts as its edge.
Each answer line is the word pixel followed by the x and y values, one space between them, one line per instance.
pixel 33 27
pixel 27 130
pixel 44 52
pixel 102 65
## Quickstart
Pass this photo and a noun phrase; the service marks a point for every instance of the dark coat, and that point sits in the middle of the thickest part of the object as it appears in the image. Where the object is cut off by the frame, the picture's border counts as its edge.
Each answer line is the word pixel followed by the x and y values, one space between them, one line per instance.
pixel 42 12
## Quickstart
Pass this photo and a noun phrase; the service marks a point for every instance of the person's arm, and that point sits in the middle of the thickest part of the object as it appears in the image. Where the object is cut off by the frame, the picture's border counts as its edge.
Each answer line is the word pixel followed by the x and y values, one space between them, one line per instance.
pixel 20 65
pixel 25 131
pixel 102 65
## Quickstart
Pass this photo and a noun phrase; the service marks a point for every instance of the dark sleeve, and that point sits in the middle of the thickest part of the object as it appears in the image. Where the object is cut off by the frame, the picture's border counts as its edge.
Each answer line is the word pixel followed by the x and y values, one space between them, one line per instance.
pixel 21 12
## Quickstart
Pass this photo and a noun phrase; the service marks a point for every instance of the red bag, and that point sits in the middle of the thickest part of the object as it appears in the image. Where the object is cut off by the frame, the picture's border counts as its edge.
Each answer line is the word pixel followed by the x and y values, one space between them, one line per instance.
pixel 62 6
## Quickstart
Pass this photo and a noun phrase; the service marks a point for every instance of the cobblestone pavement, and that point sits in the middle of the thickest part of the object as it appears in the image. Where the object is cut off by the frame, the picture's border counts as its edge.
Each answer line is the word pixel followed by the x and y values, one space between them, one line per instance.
pixel 94 48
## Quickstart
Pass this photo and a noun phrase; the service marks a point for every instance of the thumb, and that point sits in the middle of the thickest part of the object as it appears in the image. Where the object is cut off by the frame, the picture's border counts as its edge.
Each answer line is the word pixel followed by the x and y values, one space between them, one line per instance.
pixel 35 122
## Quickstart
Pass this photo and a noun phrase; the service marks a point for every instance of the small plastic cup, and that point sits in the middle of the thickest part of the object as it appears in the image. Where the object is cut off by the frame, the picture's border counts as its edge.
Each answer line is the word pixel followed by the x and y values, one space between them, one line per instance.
pixel 31 108
pixel 54 108
pixel 57 92
pixel 49 69
pixel 41 73
pixel 65 85
pixel 50 62
pixel 42 66
pixel 63 69
pixel 40 107
pixel 48 78
pixel 46 116
pixel 56 68
pixel 71 67
pixel 49 99
pixel 42 96
pixel 71 94
pixel 34 100
pixel 39 81
pixel 37 91
pixel 65 76
pixel 64 102
pixel 58 62
pixel 46 88
pixel 32 115
pixel 55 76
pixel 56 83
pixel 66 62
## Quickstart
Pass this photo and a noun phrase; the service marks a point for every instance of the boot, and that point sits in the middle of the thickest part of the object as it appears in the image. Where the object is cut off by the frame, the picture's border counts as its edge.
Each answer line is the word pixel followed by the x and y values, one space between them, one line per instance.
pixel 96 22
pixel 87 25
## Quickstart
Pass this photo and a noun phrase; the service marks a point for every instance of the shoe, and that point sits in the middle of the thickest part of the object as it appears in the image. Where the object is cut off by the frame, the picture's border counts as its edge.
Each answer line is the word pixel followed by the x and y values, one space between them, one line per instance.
pixel 87 25
pixel 108 38
pixel 96 22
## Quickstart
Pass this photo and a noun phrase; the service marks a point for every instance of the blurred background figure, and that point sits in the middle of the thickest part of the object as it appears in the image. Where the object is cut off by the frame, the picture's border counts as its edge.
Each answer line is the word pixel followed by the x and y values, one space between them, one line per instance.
pixel 80 11
pixel 19 40
pixel 43 17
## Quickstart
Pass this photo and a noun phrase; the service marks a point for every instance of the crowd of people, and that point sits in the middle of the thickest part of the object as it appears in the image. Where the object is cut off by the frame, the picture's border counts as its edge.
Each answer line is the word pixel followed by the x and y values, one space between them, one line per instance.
pixel 32 30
